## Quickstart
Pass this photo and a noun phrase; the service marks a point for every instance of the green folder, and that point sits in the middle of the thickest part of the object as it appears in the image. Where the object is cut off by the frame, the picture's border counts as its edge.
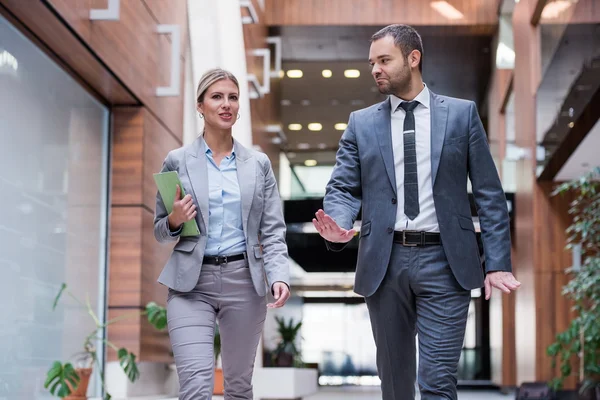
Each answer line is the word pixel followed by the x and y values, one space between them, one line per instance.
pixel 167 182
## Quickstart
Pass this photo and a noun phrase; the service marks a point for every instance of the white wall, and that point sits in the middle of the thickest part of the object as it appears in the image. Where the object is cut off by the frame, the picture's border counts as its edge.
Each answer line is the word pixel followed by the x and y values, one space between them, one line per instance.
pixel 190 116
pixel 217 40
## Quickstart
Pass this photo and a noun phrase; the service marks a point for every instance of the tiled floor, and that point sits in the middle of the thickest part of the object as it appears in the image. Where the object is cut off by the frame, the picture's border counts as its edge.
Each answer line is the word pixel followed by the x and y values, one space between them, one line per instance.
pixel 374 394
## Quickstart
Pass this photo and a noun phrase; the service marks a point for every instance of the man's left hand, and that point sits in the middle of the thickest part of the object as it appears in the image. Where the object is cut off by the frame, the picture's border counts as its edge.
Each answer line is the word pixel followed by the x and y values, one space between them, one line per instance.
pixel 502 280
pixel 281 292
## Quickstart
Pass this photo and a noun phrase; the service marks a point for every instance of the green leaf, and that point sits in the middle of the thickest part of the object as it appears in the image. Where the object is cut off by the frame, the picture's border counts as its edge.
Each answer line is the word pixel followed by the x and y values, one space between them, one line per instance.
pixel 59 377
pixel 107 396
pixel 565 369
pixel 553 349
pixel 57 298
pixel 127 362
pixel 157 315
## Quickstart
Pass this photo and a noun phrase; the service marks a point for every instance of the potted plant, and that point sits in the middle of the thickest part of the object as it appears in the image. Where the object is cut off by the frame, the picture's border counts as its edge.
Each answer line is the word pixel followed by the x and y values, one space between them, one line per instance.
pixel 219 386
pixel 286 354
pixel 71 382
pixel 582 338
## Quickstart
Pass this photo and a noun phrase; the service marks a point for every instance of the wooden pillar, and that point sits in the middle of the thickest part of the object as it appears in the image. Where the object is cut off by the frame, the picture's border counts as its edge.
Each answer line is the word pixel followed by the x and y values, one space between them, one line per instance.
pixel 541 219
pixel 526 78
pixel 502 308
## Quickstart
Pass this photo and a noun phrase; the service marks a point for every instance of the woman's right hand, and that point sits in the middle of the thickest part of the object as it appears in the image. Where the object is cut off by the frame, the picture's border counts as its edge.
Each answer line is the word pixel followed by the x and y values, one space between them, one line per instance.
pixel 183 210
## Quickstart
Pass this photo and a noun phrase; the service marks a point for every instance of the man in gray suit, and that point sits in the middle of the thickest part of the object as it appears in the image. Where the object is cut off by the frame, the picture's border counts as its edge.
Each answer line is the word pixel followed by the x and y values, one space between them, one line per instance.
pixel 407 160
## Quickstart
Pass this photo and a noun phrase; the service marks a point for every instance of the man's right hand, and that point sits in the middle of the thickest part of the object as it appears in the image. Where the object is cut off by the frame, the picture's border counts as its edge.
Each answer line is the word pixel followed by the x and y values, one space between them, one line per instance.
pixel 184 210
pixel 330 230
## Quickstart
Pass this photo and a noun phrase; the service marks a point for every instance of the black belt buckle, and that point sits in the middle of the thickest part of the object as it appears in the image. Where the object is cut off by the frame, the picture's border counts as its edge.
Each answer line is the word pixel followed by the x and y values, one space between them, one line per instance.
pixel 411 244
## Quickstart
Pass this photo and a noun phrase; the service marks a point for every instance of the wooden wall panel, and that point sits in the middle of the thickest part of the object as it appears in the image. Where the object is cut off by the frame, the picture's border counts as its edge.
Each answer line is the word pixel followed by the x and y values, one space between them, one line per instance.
pixel 157 142
pixel 551 260
pixel 137 335
pixel 170 12
pixel 140 144
pixel 541 220
pixel 526 77
pixel 38 22
pixel 127 153
pixel 376 12
pixel 502 308
pixel 154 258
pixel 122 62
pixel 133 50
pixel 125 284
pixel 125 333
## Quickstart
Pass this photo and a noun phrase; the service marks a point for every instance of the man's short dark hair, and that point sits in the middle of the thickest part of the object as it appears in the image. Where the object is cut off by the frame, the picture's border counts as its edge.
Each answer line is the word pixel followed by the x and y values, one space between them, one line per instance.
pixel 406 38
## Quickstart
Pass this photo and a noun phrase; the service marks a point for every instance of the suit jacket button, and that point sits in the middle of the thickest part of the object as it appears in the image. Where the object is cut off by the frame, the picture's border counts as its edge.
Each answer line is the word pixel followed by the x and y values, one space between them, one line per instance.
pixel 394 201
pixel 390 230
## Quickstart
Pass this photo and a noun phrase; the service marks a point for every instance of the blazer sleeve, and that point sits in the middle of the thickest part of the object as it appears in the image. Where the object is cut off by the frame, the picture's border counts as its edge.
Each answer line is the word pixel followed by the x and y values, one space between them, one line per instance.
pixel 272 231
pixel 162 232
pixel 344 192
pixel 490 199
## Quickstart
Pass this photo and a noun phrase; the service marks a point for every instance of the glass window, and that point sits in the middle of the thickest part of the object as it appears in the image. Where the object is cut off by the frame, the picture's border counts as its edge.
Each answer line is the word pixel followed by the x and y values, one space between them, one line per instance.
pixel 53 209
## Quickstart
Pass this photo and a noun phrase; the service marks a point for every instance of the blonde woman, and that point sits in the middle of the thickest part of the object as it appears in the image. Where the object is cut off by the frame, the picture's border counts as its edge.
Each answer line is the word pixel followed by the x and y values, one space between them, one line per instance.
pixel 219 276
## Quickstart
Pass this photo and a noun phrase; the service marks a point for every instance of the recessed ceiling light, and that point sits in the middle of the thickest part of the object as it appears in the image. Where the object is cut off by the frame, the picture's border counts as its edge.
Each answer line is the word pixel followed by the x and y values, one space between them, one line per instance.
pixel 351 73
pixel 295 127
pixel 315 126
pixel 340 126
pixel 310 163
pixel 305 102
pixel 281 73
pixel 291 154
pixel 446 10
pixel 322 146
pixel 303 146
pixel 327 73
pixel 571 124
pixel 286 102
pixel 294 73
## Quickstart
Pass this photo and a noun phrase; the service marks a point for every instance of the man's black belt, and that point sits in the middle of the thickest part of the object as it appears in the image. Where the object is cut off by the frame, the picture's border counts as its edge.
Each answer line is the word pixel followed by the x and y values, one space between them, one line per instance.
pixel 417 238
pixel 218 260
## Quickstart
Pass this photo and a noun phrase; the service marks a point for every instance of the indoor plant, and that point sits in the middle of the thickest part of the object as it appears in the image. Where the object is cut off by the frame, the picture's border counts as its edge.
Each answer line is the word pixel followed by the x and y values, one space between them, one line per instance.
pixel 582 338
pixel 65 380
pixel 286 353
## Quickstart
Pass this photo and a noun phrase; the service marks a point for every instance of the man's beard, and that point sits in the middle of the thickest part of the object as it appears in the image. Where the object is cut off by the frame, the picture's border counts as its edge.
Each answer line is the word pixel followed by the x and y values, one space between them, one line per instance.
pixel 399 85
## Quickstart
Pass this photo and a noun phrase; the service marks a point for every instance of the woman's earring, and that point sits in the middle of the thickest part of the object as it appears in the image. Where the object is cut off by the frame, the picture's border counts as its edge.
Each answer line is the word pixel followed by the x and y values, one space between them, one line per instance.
pixel 201 115
pixel 239 116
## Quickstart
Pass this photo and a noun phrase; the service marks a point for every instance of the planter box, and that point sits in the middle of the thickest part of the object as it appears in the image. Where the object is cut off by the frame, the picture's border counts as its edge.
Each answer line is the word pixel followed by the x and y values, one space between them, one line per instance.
pixel 284 383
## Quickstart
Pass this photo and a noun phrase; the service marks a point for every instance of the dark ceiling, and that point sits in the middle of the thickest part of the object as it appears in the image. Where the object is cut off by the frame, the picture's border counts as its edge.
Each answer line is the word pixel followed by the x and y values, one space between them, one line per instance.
pixel 456 62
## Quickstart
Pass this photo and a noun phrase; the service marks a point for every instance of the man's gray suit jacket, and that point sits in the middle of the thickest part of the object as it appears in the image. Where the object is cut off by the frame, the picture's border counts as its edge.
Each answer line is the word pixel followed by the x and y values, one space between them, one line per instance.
pixel 364 174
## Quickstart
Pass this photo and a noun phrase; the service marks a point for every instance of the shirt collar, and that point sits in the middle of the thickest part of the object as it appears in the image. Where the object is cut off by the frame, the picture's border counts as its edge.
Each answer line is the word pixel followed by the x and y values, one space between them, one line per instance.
pixel 422 97
pixel 208 151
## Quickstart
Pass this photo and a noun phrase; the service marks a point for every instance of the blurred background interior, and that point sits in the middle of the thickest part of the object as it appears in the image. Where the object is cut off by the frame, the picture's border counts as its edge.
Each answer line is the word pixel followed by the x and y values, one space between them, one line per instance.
pixel 94 93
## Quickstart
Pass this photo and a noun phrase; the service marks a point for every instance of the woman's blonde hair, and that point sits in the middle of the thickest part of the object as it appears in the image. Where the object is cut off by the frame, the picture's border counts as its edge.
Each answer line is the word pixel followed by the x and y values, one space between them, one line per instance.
pixel 209 78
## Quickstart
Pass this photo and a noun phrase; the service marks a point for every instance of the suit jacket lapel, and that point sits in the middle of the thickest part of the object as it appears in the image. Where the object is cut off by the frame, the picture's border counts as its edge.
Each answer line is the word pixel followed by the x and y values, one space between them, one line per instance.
pixel 246 173
pixel 439 118
pixel 383 127
pixel 197 171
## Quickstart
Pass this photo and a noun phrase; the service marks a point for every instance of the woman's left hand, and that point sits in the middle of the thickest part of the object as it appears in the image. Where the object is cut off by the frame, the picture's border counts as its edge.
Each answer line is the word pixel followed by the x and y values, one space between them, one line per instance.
pixel 281 292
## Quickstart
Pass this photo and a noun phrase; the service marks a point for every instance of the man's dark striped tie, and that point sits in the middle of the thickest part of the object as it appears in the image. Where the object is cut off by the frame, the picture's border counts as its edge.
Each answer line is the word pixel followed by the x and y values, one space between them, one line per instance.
pixel 411 182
